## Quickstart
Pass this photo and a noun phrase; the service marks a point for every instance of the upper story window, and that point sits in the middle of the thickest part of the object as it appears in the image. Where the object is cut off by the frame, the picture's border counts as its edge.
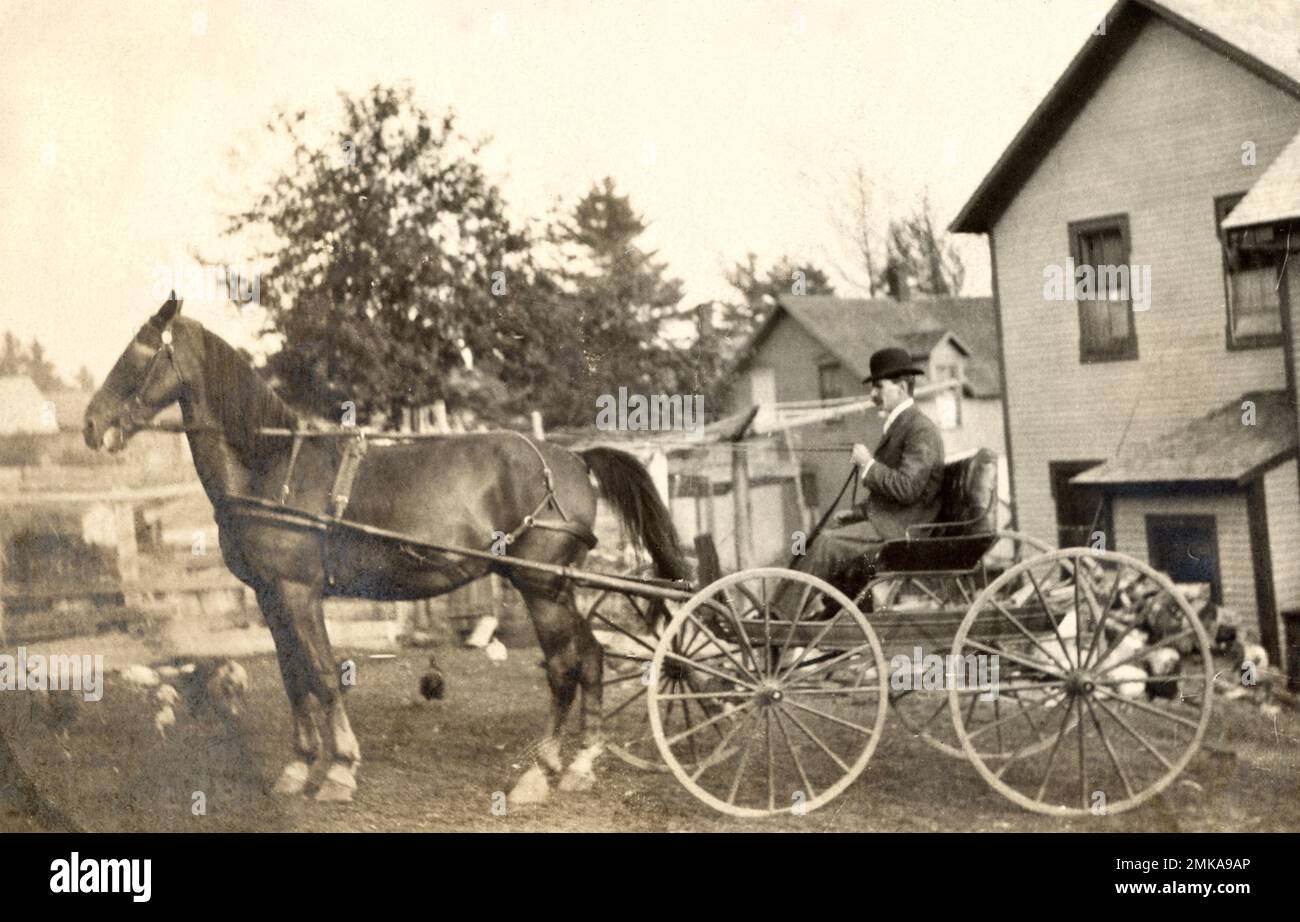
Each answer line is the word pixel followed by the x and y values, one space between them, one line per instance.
pixel 1100 247
pixel 1252 266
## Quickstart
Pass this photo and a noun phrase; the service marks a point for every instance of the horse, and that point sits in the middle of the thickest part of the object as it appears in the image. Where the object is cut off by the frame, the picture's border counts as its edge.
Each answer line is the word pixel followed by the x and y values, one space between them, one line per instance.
pixel 464 490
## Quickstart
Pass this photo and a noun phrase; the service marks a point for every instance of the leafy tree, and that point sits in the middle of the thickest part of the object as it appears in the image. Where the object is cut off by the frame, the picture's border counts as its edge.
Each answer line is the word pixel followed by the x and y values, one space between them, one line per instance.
pixel 760 289
pixel 918 247
pixel 29 361
pixel 396 277
pixel 612 303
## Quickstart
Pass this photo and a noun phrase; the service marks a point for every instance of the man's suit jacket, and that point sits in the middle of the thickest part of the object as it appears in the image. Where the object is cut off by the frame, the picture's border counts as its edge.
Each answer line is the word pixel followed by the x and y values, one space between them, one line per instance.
pixel 907 476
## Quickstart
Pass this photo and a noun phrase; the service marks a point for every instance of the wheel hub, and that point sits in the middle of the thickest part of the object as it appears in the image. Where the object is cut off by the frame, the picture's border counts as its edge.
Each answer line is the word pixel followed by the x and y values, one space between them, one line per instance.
pixel 1080 682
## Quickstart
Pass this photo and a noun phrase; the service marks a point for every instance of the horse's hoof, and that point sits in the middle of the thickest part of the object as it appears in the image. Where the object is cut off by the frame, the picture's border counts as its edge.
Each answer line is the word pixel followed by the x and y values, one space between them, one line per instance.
pixel 579 782
pixel 532 788
pixel 339 785
pixel 293 779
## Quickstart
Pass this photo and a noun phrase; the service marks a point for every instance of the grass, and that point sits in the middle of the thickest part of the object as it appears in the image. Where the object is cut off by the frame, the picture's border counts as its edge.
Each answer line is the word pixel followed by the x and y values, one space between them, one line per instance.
pixel 435 766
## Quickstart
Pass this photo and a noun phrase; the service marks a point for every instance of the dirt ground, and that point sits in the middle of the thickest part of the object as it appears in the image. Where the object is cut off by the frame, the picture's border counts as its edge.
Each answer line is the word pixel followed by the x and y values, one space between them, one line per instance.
pixel 435 766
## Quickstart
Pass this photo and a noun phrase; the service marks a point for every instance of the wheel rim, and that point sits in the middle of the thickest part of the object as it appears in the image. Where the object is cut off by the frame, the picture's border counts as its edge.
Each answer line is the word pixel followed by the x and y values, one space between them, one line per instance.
pixel 756 714
pixel 1115 665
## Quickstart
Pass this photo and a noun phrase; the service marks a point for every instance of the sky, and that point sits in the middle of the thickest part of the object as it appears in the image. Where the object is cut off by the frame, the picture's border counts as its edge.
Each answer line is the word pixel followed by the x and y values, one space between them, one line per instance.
pixel 130 129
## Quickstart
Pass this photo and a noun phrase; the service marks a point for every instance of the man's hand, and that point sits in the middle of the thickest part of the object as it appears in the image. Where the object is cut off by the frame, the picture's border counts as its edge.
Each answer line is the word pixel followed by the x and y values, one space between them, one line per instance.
pixel 844 517
pixel 861 456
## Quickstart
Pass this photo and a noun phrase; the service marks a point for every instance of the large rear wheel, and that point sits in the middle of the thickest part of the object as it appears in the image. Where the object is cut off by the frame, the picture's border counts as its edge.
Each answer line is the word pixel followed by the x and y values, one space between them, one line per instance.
pixel 1113 665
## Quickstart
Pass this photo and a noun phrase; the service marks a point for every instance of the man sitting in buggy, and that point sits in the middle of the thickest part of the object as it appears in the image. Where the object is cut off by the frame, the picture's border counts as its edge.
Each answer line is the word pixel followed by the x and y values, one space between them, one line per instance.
pixel 904 478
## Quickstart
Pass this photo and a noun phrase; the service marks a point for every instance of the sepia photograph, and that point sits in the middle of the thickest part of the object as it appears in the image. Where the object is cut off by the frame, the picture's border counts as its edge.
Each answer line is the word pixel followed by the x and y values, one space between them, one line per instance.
pixel 571 416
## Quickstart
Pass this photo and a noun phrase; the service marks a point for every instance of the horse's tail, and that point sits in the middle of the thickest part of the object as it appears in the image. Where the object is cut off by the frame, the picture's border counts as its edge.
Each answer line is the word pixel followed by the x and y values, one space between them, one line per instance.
pixel 627 486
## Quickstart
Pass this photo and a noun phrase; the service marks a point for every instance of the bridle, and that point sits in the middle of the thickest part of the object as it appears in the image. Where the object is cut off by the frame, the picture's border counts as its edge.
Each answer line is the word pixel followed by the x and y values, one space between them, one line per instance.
pixel 135 416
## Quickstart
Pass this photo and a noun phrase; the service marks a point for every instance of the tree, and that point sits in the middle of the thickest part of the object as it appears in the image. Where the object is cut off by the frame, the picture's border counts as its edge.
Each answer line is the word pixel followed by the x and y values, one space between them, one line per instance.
pixel 31 362
pixel 924 254
pixel 854 219
pixel 612 302
pixel 396 277
pixel 760 290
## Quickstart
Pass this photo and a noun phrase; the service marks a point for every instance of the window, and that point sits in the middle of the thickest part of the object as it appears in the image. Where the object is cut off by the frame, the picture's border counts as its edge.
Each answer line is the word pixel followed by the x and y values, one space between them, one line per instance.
pixel 1100 248
pixel 830 386
pixel 1252 265
pixel 829 383
pixel 1186 547
pixel 1080 509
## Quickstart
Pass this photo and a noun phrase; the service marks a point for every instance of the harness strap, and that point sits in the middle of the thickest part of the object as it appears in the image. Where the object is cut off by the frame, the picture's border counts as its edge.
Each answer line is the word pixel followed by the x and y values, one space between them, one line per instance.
pixel 341 492
pixel 288 474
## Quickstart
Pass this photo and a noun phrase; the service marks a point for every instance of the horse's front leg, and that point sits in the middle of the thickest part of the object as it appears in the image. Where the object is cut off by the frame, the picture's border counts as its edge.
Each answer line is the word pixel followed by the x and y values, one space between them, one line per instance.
pixel 307 743
pixel 302 611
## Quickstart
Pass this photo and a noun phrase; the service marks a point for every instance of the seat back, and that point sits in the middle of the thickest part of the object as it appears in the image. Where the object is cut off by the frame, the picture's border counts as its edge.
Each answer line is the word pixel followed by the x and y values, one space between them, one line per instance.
pixel 969 496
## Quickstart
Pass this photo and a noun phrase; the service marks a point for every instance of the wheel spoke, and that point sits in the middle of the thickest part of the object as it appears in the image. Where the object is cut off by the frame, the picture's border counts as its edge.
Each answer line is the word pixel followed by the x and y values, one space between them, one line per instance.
pixel 1110 750
pixel 622 630
pixel 865 731
pixel 1105 613
pixel 1050 701
pixel 717 643
pixel 1149 708
pixel 794 756
pixel 812 736
pixel 1175 638
pixel 1015 658
pixel 1051 759
pixel 819 668
pixel 1137 736
pixel 1032 639
pixel 696 664
pixel 1047 610
pixel 725 715
pixel 708 761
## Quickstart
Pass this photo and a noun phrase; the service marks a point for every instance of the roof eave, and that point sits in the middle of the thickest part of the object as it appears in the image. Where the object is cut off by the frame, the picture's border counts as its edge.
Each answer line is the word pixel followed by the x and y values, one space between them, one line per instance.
pixel 990 198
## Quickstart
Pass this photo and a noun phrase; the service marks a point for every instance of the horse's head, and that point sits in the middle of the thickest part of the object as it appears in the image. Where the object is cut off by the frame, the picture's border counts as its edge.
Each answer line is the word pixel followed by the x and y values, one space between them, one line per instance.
pixel 147 378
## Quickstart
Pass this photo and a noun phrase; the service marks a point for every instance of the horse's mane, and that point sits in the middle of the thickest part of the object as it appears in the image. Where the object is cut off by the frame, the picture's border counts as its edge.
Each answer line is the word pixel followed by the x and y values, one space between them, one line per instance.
pixel 237 396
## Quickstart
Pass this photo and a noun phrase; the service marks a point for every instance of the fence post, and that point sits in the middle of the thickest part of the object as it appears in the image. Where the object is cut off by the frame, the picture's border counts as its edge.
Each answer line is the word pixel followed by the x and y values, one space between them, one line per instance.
pixel 740 504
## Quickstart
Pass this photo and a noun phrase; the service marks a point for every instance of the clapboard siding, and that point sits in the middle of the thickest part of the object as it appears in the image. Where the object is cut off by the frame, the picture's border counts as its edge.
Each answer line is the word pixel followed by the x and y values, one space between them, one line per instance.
pixel 1283 501
pixel 1160 139
pixel 1235 566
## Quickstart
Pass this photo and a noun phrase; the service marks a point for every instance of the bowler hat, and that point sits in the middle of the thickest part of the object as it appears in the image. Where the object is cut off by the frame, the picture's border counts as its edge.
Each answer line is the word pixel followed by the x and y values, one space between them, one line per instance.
pixel 891 363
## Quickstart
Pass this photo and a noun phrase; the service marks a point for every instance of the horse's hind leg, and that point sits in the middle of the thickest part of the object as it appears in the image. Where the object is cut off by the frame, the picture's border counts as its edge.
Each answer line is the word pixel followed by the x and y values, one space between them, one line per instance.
pixel 306 736
pixel 571 657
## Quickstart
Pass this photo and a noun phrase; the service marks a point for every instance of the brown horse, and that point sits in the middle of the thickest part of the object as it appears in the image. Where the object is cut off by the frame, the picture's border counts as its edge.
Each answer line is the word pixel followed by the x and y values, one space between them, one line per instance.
pixel 464 490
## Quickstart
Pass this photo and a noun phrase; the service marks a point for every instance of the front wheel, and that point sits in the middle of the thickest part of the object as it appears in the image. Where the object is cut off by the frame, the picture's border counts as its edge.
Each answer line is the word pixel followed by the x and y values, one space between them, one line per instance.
pixel 759 710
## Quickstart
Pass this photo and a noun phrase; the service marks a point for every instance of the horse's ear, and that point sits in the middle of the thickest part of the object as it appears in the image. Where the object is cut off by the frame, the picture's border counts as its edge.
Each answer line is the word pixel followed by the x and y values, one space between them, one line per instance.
pixel 167 312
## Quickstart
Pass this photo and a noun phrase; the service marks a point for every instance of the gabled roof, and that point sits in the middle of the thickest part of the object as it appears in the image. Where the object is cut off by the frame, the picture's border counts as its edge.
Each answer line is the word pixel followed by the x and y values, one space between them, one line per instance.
pixel 1217 447
pixel 1275 197
pixel 1259 35
pixel 22 407
pixel 70 408
pixel 851 329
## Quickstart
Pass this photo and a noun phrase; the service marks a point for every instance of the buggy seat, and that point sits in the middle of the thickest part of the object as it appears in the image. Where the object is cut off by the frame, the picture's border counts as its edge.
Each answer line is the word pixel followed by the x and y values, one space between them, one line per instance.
pixel 965 529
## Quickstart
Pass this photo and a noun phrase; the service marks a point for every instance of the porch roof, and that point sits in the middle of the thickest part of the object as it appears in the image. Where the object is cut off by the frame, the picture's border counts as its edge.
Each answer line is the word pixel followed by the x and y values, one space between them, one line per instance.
pixel 1220 446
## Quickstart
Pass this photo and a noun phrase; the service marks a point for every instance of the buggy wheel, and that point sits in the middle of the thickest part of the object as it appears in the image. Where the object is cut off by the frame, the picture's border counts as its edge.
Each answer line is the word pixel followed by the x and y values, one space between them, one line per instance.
pixel 926 714
pixel 1113 663
pixel 621 624
pixel 758 711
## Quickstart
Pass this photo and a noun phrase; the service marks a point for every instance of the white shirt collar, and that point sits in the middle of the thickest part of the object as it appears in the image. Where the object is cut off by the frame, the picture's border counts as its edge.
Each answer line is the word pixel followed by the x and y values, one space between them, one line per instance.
pixel 893 414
